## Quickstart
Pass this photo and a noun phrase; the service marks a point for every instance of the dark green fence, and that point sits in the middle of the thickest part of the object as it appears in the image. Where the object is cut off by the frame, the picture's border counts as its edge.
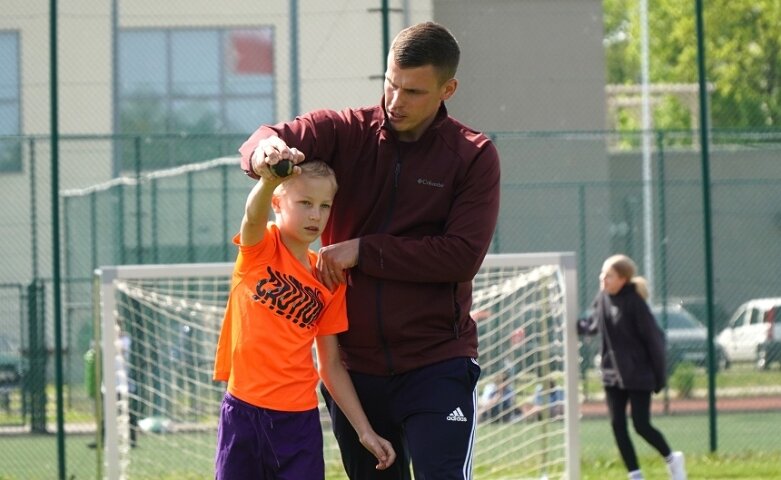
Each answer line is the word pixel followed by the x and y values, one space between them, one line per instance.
pixel 581 192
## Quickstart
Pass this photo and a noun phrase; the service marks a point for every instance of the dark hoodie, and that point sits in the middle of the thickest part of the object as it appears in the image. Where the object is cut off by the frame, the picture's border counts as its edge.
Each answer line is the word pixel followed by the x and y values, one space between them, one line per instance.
pixel 424 211
pixel 627 325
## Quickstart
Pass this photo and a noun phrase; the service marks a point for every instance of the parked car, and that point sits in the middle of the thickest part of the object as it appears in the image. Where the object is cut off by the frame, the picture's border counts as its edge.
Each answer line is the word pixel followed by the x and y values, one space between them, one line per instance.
pixel 698 307
pixel 686 338
pixel 10 370
pixel 753 333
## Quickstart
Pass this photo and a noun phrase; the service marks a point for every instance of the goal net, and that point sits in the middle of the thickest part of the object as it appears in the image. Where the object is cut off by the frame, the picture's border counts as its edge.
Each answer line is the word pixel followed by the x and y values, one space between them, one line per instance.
pixel 158 327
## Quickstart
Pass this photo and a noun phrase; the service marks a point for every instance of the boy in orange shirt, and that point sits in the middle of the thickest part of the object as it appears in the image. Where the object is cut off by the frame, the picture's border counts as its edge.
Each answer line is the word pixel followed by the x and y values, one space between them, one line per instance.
pixel 269 421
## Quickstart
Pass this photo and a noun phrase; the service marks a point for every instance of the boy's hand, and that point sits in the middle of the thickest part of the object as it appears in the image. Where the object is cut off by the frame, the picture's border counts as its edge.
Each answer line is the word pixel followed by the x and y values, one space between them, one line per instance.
pixel 380 448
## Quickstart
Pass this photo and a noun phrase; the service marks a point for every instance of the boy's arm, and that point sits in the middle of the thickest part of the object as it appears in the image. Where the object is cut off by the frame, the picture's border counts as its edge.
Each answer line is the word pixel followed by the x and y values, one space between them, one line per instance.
pixel 340 386
pixel 253 225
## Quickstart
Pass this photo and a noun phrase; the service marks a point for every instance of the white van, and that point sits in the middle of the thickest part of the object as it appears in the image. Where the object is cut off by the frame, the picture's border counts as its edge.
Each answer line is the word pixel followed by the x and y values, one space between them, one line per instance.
pixel 754 324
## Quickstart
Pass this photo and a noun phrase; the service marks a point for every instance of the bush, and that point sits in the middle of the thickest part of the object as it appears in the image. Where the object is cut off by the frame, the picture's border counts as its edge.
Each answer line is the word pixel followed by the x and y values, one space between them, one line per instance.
pixel 682 379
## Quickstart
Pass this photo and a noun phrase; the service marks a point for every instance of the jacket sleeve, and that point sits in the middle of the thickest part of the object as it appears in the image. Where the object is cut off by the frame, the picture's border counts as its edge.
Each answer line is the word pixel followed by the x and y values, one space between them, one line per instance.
pixel 457 254
pixel 589 324
pixel 653 338
pixel 302 133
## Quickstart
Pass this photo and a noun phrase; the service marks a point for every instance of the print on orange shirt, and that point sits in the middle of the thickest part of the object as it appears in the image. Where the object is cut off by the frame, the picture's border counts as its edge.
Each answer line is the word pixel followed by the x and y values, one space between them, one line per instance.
pixel 287 297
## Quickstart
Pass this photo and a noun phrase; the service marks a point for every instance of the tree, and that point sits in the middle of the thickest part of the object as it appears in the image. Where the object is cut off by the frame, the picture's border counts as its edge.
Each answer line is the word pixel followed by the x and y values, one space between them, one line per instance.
pixel 743 56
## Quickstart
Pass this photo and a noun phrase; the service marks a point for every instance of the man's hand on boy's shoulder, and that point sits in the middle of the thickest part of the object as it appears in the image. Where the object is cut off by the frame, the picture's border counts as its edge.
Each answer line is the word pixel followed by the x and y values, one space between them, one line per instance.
pixel 334 260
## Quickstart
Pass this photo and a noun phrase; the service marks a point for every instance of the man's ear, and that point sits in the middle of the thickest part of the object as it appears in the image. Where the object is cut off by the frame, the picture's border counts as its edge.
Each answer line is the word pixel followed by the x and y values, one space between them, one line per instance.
pixel 449 89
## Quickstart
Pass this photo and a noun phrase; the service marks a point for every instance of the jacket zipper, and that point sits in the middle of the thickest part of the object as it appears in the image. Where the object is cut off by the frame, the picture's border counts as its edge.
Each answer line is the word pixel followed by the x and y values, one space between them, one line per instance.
pixel 388 216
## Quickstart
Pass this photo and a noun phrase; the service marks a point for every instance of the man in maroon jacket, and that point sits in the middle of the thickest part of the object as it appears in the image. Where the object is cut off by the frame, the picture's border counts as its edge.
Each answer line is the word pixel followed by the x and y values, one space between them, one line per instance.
pixel 412 221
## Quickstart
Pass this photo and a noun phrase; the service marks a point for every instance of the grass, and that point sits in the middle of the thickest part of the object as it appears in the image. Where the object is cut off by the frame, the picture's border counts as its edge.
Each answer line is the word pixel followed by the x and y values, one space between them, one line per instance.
pixel 746 451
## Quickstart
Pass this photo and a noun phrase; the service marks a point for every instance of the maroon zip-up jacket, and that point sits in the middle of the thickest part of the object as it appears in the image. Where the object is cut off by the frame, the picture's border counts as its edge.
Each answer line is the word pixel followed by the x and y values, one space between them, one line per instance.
pixel 424 211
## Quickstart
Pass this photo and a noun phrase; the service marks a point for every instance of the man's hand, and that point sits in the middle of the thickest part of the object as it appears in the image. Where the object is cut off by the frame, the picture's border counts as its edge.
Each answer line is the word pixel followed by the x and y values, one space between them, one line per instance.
pixel 334 260
pixel 270 151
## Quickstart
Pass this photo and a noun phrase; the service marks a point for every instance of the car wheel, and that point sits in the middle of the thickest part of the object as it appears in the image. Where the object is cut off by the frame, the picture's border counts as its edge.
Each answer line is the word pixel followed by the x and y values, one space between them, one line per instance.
pixel 762 363
pixel 722 363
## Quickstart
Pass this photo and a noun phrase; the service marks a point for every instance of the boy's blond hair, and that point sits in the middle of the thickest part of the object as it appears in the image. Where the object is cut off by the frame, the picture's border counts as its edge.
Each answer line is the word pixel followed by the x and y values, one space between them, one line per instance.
pixel 312 169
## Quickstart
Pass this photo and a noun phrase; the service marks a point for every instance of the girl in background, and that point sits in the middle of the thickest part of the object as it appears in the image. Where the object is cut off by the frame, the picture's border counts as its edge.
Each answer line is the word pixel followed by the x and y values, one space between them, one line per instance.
pixel 633 360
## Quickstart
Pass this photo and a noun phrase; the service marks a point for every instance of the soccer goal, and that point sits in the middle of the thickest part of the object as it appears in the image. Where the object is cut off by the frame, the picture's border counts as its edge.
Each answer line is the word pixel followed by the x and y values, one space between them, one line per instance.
pixel 157 326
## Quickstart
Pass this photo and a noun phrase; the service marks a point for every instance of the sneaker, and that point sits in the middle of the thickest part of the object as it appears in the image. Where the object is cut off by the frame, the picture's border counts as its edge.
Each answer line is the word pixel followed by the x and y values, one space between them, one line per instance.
pixel 676 465
pixel 636 475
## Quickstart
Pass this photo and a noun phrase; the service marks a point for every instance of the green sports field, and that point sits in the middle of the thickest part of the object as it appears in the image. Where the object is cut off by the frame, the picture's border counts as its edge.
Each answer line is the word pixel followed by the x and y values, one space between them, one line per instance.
pixel 36 457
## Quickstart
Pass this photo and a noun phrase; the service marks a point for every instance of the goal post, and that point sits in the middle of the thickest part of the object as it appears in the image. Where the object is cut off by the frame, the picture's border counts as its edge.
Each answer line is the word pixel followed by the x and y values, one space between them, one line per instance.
pixel 157 328
pixel 535 292
pixel 116 367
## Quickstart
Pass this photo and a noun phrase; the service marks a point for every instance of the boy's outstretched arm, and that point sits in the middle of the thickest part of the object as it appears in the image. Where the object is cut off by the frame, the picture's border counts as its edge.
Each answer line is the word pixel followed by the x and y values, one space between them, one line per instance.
pixel 253 225
pixel 340 386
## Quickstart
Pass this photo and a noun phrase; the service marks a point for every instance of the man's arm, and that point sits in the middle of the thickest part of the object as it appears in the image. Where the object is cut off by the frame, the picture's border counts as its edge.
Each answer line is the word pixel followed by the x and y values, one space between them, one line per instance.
pixel 275 141
pixel 454 256
pixel 457 254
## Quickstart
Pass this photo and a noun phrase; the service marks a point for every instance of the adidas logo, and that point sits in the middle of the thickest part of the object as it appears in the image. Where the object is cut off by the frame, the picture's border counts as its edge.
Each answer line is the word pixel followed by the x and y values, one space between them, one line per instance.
pixel 456 416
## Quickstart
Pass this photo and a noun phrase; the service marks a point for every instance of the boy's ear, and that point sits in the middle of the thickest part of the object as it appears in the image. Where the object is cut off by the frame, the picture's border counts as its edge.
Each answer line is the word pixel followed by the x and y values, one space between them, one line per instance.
pixel 275 203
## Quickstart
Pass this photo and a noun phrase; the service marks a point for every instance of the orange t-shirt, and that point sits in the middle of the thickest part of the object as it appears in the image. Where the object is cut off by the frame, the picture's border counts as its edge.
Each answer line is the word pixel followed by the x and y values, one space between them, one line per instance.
pixel 275 310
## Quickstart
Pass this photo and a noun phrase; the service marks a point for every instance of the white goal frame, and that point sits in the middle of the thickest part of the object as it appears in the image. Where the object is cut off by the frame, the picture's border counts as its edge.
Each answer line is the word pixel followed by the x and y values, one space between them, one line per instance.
pixel 106 312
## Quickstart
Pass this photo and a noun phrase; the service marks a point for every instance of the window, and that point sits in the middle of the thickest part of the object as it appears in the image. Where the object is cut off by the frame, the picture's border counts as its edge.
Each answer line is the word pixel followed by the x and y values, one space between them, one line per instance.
pixel 10 143
pixel 194 81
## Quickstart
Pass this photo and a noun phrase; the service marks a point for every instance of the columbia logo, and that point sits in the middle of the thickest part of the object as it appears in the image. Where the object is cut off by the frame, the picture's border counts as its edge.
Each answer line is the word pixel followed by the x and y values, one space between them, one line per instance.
pixel 456 416
pixel 430 183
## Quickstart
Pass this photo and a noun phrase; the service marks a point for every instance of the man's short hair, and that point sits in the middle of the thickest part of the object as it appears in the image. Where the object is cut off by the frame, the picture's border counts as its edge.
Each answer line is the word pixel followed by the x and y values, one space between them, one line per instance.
pixel 427 43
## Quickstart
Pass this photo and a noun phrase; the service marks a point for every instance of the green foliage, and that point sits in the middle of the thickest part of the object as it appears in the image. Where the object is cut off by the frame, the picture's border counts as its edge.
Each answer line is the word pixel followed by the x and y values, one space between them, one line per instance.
pixel 682 379
pixel 742 52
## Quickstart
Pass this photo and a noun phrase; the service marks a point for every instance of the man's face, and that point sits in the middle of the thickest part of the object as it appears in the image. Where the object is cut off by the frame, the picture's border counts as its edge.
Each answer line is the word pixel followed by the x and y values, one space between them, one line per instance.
pixel 412 98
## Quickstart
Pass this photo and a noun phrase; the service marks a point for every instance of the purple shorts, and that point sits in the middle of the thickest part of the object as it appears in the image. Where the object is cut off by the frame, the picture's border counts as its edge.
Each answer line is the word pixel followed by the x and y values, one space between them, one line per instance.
pixel 263 444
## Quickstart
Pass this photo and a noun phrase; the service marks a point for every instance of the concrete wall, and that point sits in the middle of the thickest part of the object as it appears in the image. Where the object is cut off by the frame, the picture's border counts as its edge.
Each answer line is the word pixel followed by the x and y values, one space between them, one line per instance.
pixel 528 65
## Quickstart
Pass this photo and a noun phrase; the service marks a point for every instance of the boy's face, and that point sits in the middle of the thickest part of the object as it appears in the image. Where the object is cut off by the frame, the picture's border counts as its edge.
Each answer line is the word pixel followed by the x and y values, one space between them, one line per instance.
pixel 303 207
pixel 412 98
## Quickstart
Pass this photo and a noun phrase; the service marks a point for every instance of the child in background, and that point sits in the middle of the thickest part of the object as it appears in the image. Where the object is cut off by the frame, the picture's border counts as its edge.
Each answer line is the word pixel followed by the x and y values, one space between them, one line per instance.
pixel 269 422
pixel 633 360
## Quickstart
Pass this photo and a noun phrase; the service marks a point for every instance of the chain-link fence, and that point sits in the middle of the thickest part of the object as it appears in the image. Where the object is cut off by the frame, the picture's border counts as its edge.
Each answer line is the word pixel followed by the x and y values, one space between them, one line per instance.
pixel 155 97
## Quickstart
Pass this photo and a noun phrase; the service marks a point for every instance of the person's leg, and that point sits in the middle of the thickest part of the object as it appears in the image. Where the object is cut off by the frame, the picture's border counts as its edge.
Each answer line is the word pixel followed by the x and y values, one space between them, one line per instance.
pixel 359 463
pixel 641 420
pixel 616 399
pixel 295 440
pixel 238 442
pixel 439 403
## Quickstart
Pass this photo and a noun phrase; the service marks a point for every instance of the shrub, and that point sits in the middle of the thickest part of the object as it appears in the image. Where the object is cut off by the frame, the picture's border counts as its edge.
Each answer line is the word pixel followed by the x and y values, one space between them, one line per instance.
pixel 682 379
